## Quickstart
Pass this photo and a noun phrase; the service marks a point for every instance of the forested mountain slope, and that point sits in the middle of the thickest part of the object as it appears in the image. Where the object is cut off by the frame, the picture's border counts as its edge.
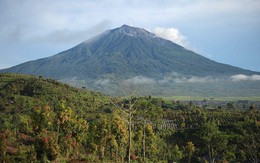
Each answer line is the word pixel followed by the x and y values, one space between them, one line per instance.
pixel 43 120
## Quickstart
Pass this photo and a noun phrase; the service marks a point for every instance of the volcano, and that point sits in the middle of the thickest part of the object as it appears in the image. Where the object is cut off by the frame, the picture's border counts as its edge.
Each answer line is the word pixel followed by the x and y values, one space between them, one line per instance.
pixel 128 54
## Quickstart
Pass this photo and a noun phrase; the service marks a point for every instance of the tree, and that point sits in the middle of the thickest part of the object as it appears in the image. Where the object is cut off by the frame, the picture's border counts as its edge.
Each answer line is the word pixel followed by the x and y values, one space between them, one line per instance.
pixel 230 106
pixel 214 140
pixel 2 147
pixel 150 142
pixel 190 149
pixel 102 136
pixel 176 154
pixel 128 109
pixel 250 141
pixel 72 130
pixel 119 131
pixel 41 118
pixel 47 146
pixel 145 107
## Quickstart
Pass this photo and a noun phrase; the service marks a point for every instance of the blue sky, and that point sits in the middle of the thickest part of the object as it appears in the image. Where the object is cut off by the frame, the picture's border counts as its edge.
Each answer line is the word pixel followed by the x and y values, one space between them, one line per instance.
pixel 227 31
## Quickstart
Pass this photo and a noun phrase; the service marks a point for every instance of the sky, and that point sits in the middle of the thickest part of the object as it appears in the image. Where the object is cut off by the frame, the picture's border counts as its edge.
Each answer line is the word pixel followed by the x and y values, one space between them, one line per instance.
pixel 227 31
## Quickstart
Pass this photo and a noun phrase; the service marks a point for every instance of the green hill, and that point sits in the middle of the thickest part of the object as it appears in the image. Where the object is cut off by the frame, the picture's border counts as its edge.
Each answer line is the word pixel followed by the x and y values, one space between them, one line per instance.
pixel 21 93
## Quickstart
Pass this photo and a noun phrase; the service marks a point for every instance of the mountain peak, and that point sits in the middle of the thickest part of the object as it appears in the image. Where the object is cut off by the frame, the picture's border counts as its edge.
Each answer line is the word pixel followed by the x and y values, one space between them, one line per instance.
pixel 126 26
pixel 134 31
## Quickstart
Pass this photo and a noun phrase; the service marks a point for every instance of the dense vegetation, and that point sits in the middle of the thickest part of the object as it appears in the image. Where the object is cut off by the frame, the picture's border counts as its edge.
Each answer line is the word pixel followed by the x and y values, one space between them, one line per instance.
pixel 43 120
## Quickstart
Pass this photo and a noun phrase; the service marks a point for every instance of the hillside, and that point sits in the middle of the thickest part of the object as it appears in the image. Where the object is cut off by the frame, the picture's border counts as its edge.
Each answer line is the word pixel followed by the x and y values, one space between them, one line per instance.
pixel 19 92
pixel 42 120
pixel 125 54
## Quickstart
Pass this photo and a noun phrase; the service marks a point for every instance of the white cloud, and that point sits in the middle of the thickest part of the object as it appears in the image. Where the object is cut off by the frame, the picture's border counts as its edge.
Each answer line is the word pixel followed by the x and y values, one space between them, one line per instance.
pixel 193 79
pixel 239 77
pixel 139 80
pixel 102 81
pixel 255 77
pixel 242 77
pixel 171 34
pixel 179 78
pixel 74 36
pixel 173 77
pixel 196 79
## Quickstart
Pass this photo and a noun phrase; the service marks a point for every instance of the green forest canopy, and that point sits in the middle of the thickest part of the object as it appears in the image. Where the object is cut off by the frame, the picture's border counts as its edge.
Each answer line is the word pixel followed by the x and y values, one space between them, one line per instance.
pixel 44 120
